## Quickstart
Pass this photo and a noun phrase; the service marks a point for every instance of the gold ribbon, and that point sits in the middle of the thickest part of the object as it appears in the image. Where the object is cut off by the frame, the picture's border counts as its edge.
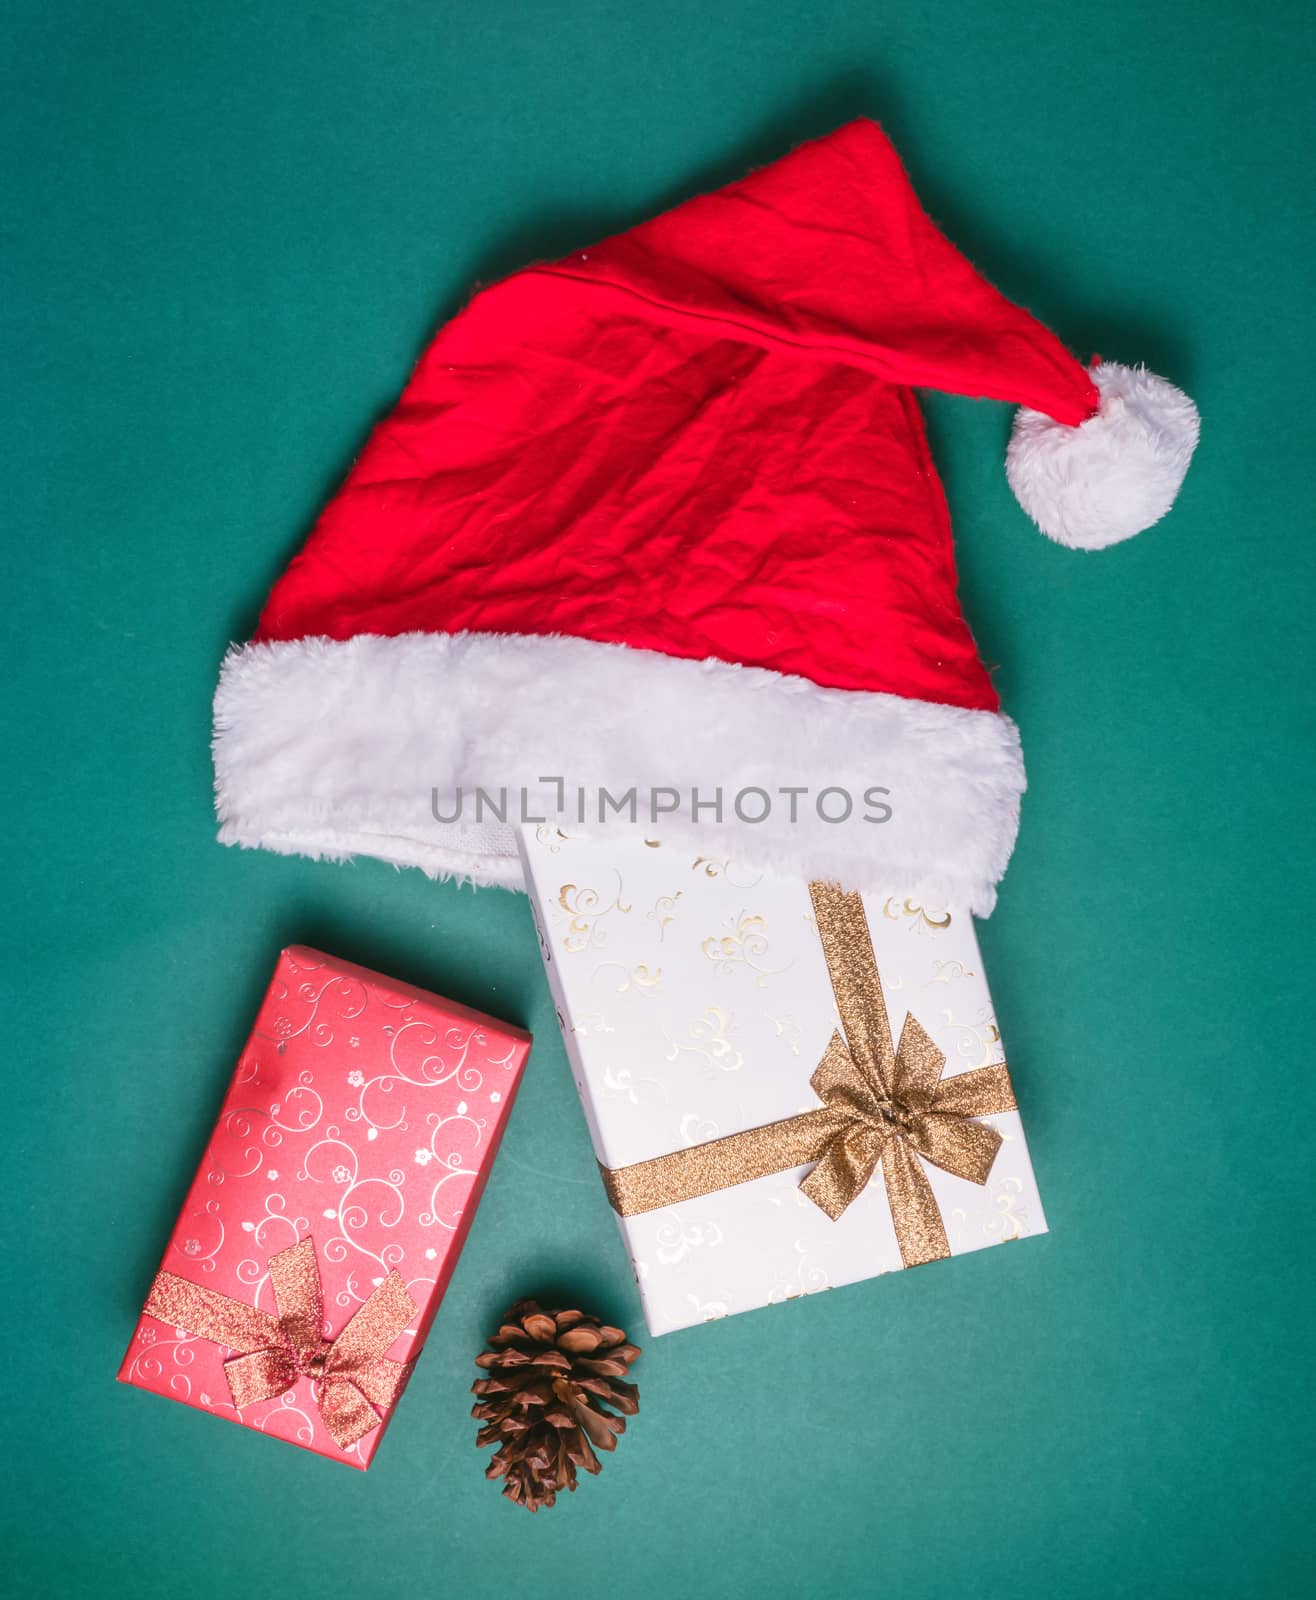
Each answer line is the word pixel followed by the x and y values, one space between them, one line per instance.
pixel 879 1105
pixel 351 1374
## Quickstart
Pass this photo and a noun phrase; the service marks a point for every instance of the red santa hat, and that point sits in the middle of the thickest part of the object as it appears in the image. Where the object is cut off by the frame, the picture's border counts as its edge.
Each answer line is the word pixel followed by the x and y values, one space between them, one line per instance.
pixel 662 515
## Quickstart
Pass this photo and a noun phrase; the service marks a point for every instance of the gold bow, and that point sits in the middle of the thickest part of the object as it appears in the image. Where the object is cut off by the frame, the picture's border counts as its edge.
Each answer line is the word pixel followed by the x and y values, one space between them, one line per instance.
pixel 351 1374
pixel 879 1104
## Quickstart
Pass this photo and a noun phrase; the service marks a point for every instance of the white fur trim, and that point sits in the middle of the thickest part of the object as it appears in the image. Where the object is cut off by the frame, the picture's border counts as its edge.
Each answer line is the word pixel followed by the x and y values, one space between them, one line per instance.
pixel 1113 475
pixel 327 748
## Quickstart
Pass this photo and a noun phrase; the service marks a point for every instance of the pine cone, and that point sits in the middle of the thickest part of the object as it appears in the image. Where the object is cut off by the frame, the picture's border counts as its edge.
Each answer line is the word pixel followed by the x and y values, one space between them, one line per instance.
pixel 551 1375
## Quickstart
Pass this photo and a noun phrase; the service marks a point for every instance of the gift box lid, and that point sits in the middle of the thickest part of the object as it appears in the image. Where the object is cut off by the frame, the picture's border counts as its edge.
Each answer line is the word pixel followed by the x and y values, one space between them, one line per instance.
pixel 763 1061
pixel 337 1187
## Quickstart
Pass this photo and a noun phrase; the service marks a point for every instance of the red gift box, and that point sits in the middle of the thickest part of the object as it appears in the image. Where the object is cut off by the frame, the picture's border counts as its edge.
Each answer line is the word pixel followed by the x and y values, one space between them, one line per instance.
pixel 330 1207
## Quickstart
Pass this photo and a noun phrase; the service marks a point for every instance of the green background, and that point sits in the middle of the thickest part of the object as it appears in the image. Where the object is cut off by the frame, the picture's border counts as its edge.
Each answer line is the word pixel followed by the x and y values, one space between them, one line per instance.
pixel 228 231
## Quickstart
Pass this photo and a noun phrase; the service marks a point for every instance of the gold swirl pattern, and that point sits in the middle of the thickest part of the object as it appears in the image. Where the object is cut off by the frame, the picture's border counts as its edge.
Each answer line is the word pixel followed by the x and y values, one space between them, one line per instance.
pixel 664 912
pixel 743 946
pixel 710 1034
pixel 637 977
pixel 923 919
pixel 586 909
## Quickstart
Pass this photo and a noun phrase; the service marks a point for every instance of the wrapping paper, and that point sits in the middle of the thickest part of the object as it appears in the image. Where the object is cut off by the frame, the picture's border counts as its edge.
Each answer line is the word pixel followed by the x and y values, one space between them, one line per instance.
pixel 695 1003
pixel 365 1115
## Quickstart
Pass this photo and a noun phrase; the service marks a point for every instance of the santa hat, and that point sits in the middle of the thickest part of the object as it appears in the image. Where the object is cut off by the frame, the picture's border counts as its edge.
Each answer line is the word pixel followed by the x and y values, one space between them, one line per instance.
pixel 662 515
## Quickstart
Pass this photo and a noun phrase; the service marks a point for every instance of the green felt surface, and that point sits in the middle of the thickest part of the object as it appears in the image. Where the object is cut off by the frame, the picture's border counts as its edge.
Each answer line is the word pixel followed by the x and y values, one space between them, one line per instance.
pixel 228 230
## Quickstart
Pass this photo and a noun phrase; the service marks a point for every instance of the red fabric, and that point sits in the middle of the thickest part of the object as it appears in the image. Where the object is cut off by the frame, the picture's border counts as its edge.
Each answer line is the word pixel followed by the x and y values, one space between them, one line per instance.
pixel 697 438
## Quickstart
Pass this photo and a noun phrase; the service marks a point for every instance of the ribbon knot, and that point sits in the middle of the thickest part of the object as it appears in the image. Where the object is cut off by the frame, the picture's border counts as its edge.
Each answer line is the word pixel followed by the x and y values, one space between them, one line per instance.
pixel 313 1365
pixel 881 1105
pixel 351 1372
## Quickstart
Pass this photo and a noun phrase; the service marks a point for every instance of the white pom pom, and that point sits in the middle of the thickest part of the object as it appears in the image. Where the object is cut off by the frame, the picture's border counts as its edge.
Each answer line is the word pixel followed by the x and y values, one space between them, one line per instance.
pixel 1113 475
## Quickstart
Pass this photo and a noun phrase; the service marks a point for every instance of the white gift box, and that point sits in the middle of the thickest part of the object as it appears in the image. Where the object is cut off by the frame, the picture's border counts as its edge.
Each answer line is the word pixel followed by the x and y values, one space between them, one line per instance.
pixel 696 1002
